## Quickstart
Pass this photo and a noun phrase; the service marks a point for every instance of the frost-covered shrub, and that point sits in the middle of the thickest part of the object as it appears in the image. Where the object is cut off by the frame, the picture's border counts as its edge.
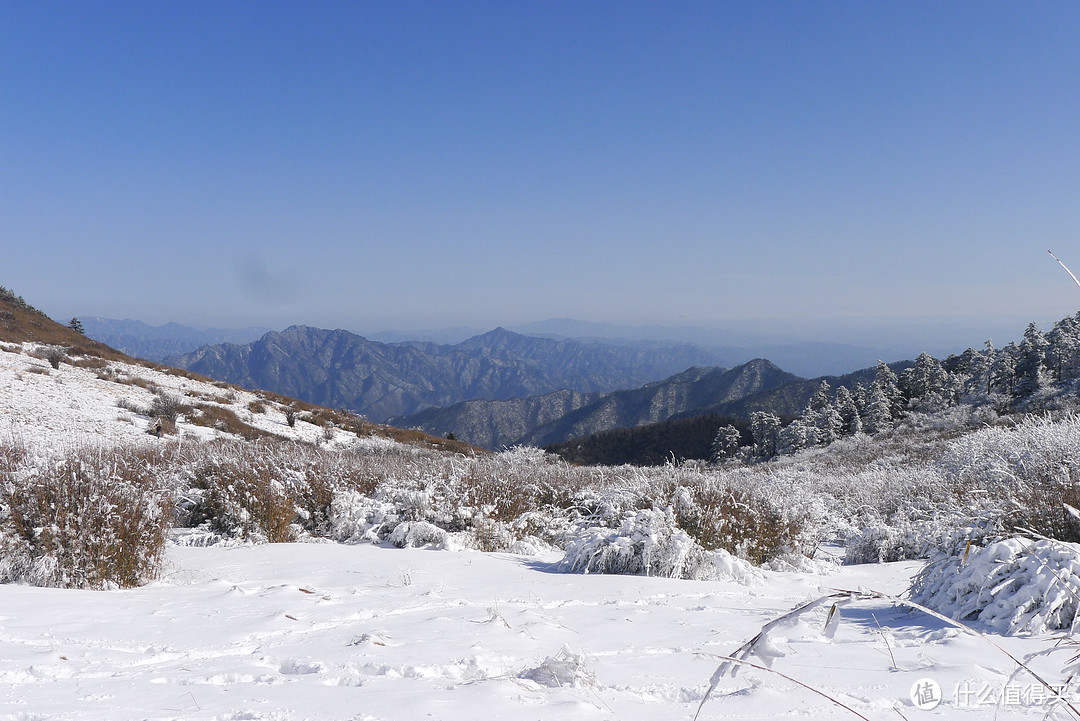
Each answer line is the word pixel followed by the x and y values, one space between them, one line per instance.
pixel 354 517
pixel 87 519
pixel 1012 586
pixel 166 407
pixel 55 355
pixel 884 544
pixel 1030 471
pixel 416 534
pixel 565 669
pixel 243 496
pixel 489 536
pixel 648 543
pixel 721 516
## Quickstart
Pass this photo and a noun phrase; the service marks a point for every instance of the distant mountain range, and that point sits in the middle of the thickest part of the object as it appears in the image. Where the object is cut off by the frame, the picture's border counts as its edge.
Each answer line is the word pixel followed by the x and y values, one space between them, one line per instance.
pixel 725 348
pixel 337 368
pixel 502 388
pixel 156 343
pixel 561 416
pixel 731 347
pixel 557 418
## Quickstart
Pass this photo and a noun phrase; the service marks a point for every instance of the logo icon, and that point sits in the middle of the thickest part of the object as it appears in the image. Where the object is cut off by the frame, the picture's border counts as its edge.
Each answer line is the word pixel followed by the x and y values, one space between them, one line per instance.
pixel 925 694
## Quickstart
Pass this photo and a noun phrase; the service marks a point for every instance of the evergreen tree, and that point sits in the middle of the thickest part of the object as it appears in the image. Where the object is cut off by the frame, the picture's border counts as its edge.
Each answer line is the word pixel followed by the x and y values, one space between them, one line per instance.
pixel 846 407
pixel 1003 370
pixel 970 374
pixel 926 384
pixel 822 417
pixel 76 325
pixel 1063 349
pixel 885 380
pixel 726 443
pixel 989 357
pixel 1030 375
pixel 765 428
pixel 796 436
pixel 861 394
pixel 878 416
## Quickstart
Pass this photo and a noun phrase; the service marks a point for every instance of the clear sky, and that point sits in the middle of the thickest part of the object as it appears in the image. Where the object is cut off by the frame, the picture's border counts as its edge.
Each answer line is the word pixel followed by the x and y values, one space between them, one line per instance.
pixel 409 164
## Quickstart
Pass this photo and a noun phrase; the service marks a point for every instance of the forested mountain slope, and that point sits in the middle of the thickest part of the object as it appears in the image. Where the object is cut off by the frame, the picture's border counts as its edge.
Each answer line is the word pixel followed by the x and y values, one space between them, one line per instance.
pixel 558 417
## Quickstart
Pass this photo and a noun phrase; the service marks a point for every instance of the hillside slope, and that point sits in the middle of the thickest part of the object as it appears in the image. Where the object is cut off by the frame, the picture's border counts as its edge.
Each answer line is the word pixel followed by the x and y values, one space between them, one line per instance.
pixel 95 394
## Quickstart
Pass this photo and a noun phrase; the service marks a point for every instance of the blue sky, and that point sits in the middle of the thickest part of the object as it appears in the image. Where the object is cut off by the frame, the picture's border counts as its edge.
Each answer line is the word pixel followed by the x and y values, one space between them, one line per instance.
pixel 793 167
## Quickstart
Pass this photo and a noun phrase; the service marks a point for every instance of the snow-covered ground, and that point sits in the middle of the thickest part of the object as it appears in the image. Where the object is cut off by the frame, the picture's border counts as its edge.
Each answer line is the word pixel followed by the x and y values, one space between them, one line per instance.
pixel 328 631
pixel 72 405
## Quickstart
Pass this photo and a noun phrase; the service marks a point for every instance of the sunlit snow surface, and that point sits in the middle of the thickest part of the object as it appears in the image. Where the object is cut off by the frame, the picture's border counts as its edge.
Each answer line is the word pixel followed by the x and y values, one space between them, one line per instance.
pixel 70 406
pixel 326 631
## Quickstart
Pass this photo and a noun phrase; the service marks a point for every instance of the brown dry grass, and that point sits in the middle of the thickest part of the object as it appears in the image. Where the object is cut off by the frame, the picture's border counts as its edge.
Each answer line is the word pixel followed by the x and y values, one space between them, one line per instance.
pixel 243 498
pixel 21 325
pixel 225 420
pixel 97 515
pixel 737 522
pixel 91 362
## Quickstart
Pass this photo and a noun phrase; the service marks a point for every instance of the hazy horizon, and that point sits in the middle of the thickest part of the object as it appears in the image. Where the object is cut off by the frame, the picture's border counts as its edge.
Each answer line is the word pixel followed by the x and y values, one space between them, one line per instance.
pixel 937 336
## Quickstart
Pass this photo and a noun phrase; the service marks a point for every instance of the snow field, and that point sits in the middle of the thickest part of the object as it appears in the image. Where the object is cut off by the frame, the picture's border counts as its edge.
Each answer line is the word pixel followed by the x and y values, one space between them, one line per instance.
pixel 331 631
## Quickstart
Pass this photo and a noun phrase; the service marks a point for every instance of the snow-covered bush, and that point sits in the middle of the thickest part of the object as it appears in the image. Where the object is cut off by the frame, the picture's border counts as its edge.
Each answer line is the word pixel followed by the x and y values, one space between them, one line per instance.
pixel 565 669
pixel 649 543
pixel 242 493
pixel 416 534
pixel 721 515
pixel 1012 586
pixel 90 518
pixel 1030 471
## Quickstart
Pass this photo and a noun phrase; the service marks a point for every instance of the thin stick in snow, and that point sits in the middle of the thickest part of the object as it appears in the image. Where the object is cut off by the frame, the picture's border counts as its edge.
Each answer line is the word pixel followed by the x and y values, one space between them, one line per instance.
pixel 1064 266
pixel 743 662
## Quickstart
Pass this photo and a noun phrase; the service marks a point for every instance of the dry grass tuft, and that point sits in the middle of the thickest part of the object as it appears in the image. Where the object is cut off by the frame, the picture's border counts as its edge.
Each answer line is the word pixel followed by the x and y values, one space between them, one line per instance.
pixel 90 519
pixel 224 420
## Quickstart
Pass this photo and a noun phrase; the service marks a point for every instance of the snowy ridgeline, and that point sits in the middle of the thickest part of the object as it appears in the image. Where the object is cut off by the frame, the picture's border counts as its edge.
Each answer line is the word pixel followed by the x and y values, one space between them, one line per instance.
pixel 76 438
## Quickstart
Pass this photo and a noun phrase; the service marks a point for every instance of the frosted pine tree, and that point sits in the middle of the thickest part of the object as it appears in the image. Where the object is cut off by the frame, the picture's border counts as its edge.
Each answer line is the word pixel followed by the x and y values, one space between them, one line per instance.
pixel 726 443
pixel 970 373
pixel 1063 349
pixel 885 380
pixel 822 417
pixel 878 415
pixel 926 384
pixel 765 428
pixel 850 421
pixel 1030 375
pixel 796 436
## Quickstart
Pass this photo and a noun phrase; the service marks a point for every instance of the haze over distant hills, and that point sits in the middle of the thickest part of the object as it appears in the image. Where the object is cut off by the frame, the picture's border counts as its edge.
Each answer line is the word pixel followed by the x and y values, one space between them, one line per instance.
pixel 727 347
pixel 337 368
pixel 502 388
pixel 158 342
pixel 731 347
